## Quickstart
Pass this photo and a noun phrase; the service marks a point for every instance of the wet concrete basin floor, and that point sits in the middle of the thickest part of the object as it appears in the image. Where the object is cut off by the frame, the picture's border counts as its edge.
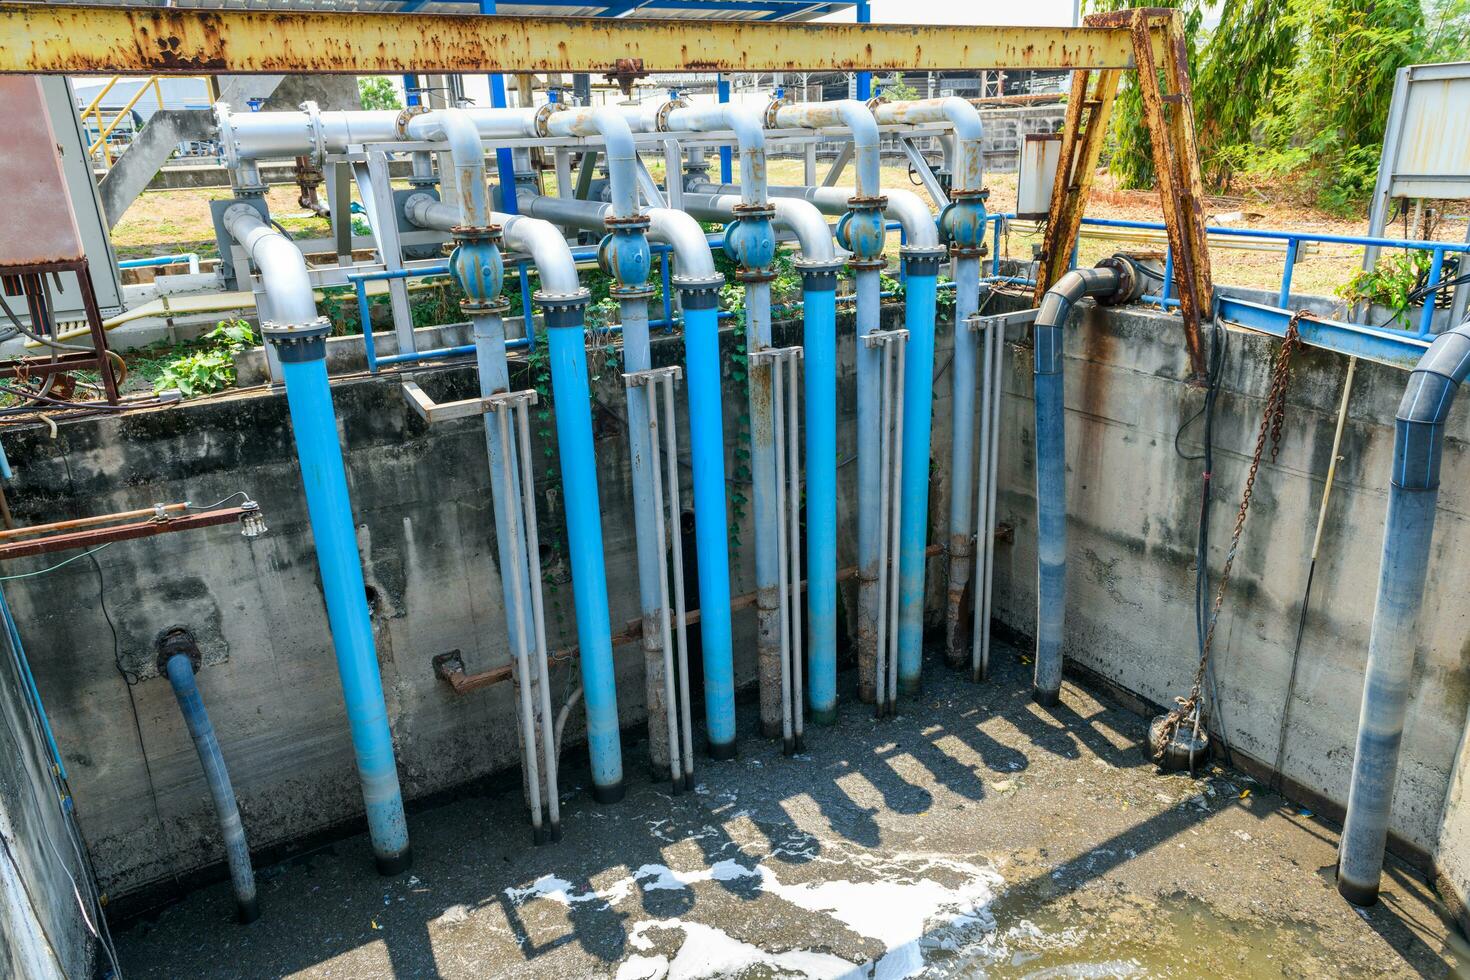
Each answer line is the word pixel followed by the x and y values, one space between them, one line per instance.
pixel 976 835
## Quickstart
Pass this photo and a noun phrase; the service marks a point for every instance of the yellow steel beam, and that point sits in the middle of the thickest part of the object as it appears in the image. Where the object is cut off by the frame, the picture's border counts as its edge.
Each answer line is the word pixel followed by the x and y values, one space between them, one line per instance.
pixel 63 38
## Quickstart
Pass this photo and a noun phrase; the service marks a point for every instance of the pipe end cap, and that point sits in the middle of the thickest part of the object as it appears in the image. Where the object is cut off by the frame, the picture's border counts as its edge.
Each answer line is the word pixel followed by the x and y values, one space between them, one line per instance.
pixel 610 794
pixel 722 752
pixel 247 911
pixel 391 865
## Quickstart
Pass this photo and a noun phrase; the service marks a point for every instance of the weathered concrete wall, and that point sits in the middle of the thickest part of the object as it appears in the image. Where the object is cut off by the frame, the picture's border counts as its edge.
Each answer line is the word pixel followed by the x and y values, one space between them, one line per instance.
pixel 422 503
pixel 42 934
pixel 423 506
pixel 1133 505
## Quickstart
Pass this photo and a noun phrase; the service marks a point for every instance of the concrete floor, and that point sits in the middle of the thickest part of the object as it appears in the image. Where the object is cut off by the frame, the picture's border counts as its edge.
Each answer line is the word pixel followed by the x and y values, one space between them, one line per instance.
pixel 978 834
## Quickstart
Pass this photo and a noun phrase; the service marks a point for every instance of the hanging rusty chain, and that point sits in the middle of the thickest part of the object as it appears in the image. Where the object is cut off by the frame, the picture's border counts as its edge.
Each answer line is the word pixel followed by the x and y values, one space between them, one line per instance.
pixel 1272 419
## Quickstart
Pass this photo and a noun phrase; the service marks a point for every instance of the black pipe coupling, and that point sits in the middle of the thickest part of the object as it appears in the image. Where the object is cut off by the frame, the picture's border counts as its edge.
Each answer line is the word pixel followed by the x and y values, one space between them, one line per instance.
pixel 818 276
pixel 560 310
pixel 699 292
pixel 922 260
pixel 173 641
pixel 1133 278
pixel 298 342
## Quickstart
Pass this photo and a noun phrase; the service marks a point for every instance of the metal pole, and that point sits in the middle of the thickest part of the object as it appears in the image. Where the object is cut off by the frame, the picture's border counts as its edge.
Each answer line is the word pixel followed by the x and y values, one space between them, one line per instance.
pixel 962 452
pixel 666 660
pixel 722 94
pixel 504 158
pixel 896 454
pixel 793 472
pixel 765 510
pixel 302 352
pixel 870 433
pixel 784 607
pixel 672 462
pixel 983 331
pixel 864 78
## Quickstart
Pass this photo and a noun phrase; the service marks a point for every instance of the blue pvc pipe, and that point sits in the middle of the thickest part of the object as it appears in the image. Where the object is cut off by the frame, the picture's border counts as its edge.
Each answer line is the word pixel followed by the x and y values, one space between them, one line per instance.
pixel 29 679
pixel 237 852
pixel 156 260
pixel 864 78
pixel 711 530
pixel 1395 636
pixel 567 349
pixel 918 401
pixel 819 338
pixel 722 94
pixel 314 425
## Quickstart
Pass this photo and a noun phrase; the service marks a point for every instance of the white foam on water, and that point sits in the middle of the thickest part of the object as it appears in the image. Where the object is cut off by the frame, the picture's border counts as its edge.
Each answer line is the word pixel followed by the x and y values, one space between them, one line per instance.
pixel 659 877
pixel 710 952
pixel 560 890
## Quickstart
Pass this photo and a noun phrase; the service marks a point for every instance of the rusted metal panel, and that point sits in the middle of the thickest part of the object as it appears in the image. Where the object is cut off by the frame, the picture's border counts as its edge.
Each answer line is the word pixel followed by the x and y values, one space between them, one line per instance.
pixel 32 183
pixel 93 537
pixel 41 38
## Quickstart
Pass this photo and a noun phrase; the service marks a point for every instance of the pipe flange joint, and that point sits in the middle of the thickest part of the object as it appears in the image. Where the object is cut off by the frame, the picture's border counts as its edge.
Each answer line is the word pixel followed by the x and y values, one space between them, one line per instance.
pixel 477 265
pixel 922 260
pixel 862 230
pixel 876 101
pixel 624 254
pixel 225 133
pixel 405 116
pixel 699 292
pixel 771 110
pixel 962 224
pixel 564 310
pixel 298 342
pixel 318 133
pixel 543 116
pixel 174 641
pixel 661 116
pixel 818 275
pixel 750 241
pixel 1131 280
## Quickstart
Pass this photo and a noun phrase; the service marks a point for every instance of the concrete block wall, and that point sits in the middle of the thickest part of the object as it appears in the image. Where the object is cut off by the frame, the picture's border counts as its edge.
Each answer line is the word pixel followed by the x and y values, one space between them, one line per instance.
pixel 425 533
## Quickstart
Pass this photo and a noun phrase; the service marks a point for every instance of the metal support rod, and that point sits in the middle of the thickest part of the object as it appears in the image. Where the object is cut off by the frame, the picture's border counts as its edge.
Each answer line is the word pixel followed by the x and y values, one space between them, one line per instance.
pixel 764 510
pixel 869 439
pixel 890 345
pixel 991 341
pixel 962 454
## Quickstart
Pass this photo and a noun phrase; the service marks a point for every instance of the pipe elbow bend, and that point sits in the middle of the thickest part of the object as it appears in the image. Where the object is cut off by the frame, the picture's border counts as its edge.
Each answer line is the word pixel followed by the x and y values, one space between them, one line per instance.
pixel 1418 444
pixel 685 235
pixel 910 211
pixel 548 250
pixel 804 220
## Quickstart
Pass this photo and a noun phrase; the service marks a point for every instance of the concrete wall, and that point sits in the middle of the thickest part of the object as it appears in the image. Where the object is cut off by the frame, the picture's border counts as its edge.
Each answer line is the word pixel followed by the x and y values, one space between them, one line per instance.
pixel 425 536
pixel 42 934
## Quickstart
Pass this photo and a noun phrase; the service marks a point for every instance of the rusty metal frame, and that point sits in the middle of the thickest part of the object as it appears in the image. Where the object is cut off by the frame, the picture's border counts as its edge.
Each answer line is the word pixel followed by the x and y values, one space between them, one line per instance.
pixel 1168 111
pixel 76 39
pixel 92 537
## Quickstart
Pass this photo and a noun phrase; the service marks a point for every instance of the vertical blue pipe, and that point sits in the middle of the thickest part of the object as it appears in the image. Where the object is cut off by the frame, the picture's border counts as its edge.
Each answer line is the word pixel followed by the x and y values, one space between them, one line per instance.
pixel 411 90
pixel 864 78
pixel 180 670
pixel 918 402
pixel 1436 267
pixel 667 282
pixel 652 565
pixel 504 160
pixel 869 313
pixel 1395 636
pixel 962 454
pixel 722 94
pixel 1284 296
pixel 302 352
pixel 1168 275
pixel 32 692
pixel 567 346
pixel 819 338
pixel 711 531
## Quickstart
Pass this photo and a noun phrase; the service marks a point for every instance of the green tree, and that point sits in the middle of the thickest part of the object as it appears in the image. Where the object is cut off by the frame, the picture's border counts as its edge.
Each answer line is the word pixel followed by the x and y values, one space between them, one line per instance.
pixel 378 92
pixel 898 90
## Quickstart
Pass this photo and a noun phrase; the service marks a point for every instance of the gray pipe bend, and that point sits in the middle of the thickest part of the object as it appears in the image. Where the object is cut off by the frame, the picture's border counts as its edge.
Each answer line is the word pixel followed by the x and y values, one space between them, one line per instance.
pixel 801 218
pixel 257 135
pixel 905 207
pixel 667 226
pixel 969 132
pixel 858 119
pixel 617 147
pixel 281 264
pixel 455 127
pixel 539 239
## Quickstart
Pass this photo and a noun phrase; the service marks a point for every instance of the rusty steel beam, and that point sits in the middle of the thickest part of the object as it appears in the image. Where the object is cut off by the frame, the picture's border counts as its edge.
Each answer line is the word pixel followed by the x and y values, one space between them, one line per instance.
pixel 92 537
pixel 55 38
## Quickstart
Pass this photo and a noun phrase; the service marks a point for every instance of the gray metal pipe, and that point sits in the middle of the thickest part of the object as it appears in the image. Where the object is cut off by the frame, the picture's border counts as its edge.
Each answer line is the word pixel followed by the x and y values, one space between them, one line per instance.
pixel 539 239
pixel 617 147
pixel 748 125
pixel 851 115
pixel 282 266
pixel 969 131
pixel 456 128
pixel 1413 494
pixel 905 207
pixel 800 218
pixel 248 136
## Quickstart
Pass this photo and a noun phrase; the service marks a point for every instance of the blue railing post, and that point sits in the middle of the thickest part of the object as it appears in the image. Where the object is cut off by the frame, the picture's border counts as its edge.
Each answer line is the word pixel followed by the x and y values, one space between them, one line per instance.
pixel 504 159
pixel 1436 268
pixel 1285 295
pixel 722 94
pixel 302 352
pixel 864 78
pixel 1168 276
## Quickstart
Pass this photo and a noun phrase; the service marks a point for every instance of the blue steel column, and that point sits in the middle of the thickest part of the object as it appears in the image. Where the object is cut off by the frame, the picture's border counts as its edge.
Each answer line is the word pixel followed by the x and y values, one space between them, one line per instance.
pixel 864 78
pixel 1407 536
pixel 722 94
pixel 711 530
pixel 302 353
pixel 922 267
pixel 504 160
pixel 567 345
pixel 178 653
pixel 819 338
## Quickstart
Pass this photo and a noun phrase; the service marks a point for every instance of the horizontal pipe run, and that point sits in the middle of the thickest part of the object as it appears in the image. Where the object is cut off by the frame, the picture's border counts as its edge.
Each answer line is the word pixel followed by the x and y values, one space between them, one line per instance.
pixel 632 632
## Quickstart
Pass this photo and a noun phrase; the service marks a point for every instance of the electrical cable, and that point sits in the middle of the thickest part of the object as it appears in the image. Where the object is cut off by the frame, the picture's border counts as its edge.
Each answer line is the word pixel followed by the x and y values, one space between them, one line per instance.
pixel 60 564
